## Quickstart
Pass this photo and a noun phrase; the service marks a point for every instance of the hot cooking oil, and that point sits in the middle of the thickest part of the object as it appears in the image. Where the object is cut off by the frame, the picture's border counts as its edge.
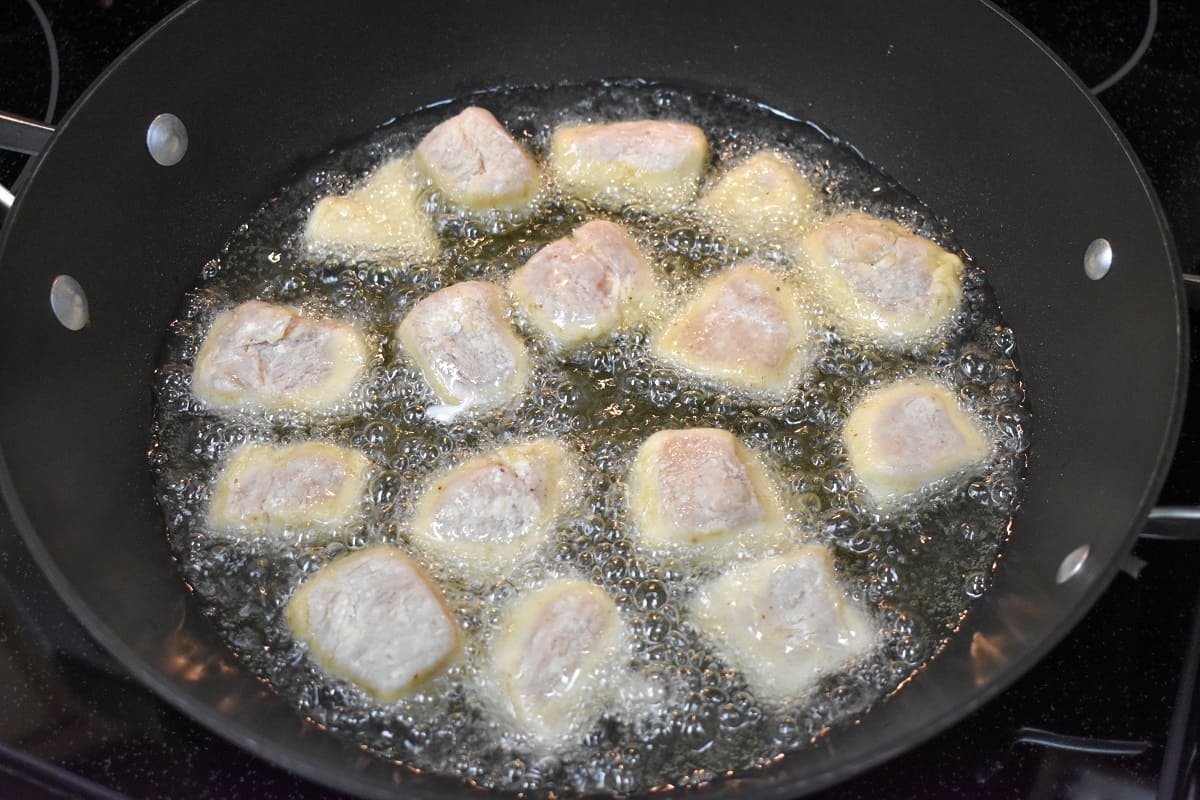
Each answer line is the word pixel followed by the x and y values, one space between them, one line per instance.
pixel 683 715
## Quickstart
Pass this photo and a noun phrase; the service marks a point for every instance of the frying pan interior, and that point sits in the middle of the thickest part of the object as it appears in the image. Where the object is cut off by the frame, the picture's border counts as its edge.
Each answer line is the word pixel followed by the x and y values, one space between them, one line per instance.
pixel 950 97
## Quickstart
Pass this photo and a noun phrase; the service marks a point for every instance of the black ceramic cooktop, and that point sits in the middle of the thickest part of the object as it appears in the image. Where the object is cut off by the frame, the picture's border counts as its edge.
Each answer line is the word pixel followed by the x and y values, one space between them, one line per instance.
pixel 1091 721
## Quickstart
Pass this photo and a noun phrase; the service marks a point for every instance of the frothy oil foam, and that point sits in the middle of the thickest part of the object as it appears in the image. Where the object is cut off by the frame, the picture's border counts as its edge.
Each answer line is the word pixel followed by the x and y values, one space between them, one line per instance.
pixel 681 715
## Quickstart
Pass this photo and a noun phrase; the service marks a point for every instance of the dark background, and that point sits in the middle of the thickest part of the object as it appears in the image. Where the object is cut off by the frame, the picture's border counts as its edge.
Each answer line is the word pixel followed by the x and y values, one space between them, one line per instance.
pixel 1092 721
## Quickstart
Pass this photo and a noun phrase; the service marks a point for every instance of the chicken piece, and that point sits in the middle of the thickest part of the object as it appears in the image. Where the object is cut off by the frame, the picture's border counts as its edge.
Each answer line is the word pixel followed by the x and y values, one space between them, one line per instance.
pixel 269 357
pixel 783 622
pixel 585 286
pixel 909 435
pixel 477 164
pixel 269 489
pixel 375 619
pixel 495 507
pixel 745 329
pixel 464 347
pixel 645 164
pixel 550 656
pixel 383 215
pixel 700 488
pixel 765 198
pixel 883 282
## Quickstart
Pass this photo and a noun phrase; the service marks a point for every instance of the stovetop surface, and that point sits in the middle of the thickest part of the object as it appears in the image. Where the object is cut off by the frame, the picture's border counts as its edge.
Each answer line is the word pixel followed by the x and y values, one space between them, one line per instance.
pixel 74 724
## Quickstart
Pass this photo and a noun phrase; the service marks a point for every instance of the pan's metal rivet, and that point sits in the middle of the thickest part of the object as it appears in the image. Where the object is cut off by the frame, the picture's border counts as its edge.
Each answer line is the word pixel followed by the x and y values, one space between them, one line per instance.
pixel 68 302
pixel 1071 565
pixel 167 139
pixel 1097 259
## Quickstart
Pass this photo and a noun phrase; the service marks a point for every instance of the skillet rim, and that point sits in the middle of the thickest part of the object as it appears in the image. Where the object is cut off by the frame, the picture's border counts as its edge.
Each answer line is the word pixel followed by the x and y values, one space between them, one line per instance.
pixel 778 781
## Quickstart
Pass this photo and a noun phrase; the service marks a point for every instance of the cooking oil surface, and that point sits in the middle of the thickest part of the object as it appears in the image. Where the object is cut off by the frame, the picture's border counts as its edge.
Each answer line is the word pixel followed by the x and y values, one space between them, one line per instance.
pixel 676 713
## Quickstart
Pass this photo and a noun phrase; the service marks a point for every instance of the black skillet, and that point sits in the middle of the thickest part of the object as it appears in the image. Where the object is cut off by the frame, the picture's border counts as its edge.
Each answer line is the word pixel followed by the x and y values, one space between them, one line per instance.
pixel 949 96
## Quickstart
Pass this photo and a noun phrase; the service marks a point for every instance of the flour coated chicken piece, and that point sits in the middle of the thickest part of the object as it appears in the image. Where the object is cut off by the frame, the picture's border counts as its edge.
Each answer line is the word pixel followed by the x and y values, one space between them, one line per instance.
pixel 745 328
pixel 270 357
pixel 265 488
pixel 585 286
pixel 382 216
pixel 490 510
pixel 550 656
pixel 465 348
pixel 908 435
pixel 765 198
pixel 374 618
pixel 477 164
pixel 882 282
pixel 783 622
pixel 647 164
pixel 700 488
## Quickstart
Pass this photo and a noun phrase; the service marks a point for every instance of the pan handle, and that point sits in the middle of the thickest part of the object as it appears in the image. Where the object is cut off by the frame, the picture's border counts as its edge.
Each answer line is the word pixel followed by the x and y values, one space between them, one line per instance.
pixel 1192 284
pixel 1176 523
pixel 23 135
pixel 20 135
